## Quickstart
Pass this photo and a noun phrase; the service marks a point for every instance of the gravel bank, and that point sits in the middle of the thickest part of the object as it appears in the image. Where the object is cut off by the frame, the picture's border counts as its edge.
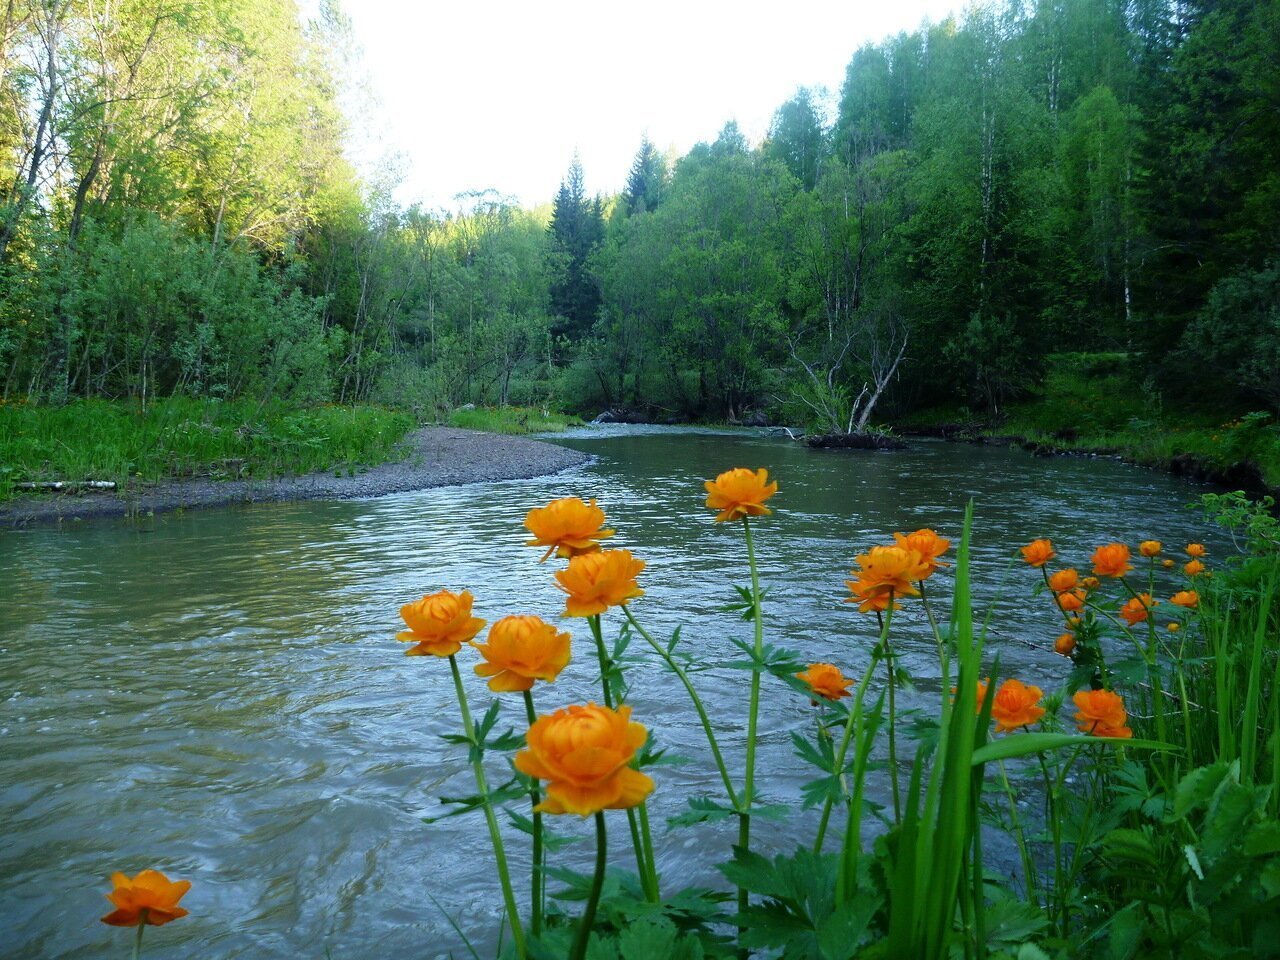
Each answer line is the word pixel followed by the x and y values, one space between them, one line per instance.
pixel 441 457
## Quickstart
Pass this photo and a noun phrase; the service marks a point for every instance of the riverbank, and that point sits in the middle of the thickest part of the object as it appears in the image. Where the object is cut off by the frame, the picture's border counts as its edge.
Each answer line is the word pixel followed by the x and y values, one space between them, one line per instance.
pixel 435 456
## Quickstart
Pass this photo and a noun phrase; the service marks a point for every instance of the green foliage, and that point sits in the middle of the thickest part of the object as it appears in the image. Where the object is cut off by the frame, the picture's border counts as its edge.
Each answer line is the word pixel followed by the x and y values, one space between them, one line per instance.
pixel 511 420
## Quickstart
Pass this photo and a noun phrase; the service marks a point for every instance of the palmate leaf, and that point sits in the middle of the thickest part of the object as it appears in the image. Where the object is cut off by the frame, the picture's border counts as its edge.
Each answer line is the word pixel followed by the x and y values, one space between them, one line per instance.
pixel 820 755
pixel 658 937
pixel 506 793
pixel 701 810
pixel 780 661
pixel 552 841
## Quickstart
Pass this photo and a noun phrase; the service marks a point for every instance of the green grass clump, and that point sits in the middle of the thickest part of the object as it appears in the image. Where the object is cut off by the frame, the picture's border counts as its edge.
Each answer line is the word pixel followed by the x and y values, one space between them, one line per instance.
pixel 186 437
pixel 512 420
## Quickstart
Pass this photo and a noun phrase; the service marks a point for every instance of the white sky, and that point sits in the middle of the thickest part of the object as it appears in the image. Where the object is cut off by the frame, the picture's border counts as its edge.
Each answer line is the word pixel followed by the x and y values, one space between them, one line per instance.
pixel 473 94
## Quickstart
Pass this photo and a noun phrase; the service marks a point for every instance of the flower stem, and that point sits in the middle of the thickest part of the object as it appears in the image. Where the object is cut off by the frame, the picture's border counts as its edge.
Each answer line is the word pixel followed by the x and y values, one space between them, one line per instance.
pixel 753 711
pixel 893 708
pixel 535 795
pixel 495 835
pixel 593 899
pixel 137 941
pixel 855 714
pixel 603 656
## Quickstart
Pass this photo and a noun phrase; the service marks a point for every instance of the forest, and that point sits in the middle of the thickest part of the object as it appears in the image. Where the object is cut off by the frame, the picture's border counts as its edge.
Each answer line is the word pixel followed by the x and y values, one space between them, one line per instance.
pixel 986 198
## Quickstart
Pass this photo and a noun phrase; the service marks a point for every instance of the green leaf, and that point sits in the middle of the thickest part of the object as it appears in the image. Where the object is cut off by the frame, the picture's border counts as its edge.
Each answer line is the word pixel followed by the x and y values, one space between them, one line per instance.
pixel 701 810
pixel 1263 839
pixel 1022 744
pixel 1195 789
pixel 655 938
pixel 842 932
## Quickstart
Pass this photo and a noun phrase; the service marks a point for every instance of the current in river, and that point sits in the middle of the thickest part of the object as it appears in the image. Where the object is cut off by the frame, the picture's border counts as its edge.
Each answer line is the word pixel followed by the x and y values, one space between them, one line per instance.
pixel 219 694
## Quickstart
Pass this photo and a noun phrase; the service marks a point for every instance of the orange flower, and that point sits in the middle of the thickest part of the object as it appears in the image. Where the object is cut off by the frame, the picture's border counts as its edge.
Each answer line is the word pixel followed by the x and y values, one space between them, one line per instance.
pixel 928 544
pixel 439 624
pixel 521 650
pixel 1064 644
pixel 1193 568
pixel 1073 623
pixel 869 597
pixel 1038 552
pixel 1071 601
pixel 1186 598
pixel 826 680
pixel 597 581
pixel 1112 560
pixel 1196 550
pixel 149 898
pixel 1101 713
pixel 584 752
pixel 1173 627
pixel 740 493
pixel 1016 705
pixel 1090 583
pixel 1150 548
pixel 567 527
pixel 1064 580
pixel 1166 563
pixel 890 570
pixel 1137 609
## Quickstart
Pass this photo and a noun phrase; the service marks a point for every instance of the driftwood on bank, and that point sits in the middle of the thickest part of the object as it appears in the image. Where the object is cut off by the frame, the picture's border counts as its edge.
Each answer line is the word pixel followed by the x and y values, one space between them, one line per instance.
pixel 67 486
pixel 855 441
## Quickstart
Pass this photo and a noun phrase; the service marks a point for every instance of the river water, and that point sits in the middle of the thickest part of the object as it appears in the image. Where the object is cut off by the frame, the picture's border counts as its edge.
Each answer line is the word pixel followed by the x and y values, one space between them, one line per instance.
pixel 219 694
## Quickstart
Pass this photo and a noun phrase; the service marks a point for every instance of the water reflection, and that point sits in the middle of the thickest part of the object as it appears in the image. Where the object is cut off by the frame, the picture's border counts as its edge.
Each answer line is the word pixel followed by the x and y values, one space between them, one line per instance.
pixel 219 694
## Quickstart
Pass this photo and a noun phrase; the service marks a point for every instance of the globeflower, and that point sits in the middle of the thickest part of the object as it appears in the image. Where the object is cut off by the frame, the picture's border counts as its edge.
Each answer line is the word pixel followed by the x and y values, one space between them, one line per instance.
pixel 1063 580
pixel 1111 560
pixel 1090 583
pixel 1101 713
pixel 1071 600
pixel 826 680
pixel 1196 550
pixel 1065 643
pixel 584 753
pixel 1186 598
pixel 928 544
pixel 567 527
pixel 1193 568
pixel 883 570
pixel 740 493
pixel 521 650
pixel 1016 705
pixel 597 581
pixel 150 898
pixel 1150 548
pixel 439 624
pixel 1038 552
pixel 1137 609
pixel 869 597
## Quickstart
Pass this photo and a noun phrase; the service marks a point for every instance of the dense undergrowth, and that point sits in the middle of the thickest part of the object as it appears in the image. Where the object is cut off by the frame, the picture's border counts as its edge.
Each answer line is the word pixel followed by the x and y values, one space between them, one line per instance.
pixel 511 419
pixel 186 437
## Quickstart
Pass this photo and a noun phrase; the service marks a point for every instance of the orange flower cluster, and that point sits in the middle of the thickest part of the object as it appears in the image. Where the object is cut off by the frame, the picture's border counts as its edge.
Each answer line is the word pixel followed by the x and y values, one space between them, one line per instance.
pixel 826 680
pixel 584 752
pixel 1101 713
pixel 439 624
pixel 521 650
pixel 149 898
pixel 883 574
pixel 567 527
pixel 740 493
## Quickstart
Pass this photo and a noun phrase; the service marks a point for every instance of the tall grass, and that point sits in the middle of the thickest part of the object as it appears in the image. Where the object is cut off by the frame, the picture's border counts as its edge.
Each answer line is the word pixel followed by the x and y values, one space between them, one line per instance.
pixel 185 437
pixel 512 420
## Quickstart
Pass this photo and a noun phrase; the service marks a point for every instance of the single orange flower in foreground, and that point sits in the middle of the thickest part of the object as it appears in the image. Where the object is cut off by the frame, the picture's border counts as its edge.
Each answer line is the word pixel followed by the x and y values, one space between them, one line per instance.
pixel 1150 548
pixel 1137 609
pixel 439 624
pixel 567 527
pixel 597 581
pixel 1101 713
pixel 1112 560
pixel 1186 598
pixel 1064 580
pixel 1065 643
pixel 1193 568
pixel 928 544
pixel 149 898
pixel 521 650
pixel 890 570
pixel 740 493
pixel 1038 552
pixel 1016 705
pixel 583 752
pixel 1196 550
pixel 1071 601
pixel 826 680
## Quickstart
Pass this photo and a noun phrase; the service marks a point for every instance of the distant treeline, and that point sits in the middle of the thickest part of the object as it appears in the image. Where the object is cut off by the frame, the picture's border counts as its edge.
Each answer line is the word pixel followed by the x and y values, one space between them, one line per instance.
pixel 1078 175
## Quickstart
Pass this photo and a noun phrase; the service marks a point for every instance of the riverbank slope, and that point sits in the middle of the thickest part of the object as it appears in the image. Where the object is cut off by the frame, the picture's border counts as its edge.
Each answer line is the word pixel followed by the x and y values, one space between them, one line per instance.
pixel 438 457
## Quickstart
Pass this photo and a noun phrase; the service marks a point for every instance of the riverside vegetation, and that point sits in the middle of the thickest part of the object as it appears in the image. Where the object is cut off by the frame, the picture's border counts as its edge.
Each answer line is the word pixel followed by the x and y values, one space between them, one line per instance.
pixel 1139 784
pixel 980 195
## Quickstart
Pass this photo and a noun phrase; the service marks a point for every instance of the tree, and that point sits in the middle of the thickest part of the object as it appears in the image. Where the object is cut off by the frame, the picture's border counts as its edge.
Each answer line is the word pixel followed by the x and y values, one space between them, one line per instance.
pixel 577 226
pixel 647 181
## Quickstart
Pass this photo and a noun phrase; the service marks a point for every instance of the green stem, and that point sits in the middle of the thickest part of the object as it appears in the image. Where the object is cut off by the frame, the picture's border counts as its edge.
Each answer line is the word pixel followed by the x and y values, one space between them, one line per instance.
pixel 893 716
pixel 593 899
pixel 1028 867
pixel 753 711
pixel 653 887
pixel 495 835
pixel 137 941
pixel 679 671
pixel 535 795
pixel 603 657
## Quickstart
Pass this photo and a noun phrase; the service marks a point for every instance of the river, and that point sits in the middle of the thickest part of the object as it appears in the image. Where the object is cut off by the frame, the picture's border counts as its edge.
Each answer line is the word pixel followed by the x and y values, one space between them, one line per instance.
pixel 220 693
